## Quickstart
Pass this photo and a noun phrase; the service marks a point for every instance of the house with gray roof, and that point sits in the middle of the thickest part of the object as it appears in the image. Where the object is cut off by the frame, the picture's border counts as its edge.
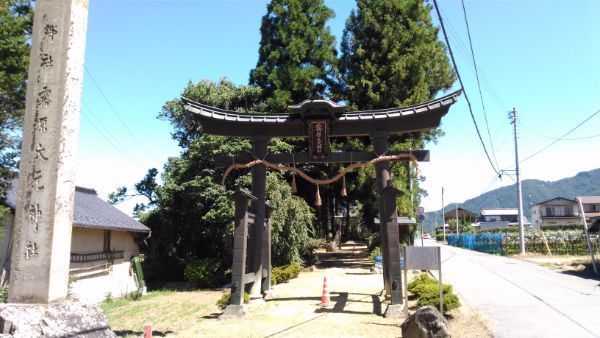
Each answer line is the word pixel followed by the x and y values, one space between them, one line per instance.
pixel 556 211
pixel 104 241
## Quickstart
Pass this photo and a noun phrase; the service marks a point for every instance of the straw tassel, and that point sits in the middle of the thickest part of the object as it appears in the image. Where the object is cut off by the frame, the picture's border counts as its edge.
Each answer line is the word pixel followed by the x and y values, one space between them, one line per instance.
pixel 344 193
pixel 294 188
pixel 318 198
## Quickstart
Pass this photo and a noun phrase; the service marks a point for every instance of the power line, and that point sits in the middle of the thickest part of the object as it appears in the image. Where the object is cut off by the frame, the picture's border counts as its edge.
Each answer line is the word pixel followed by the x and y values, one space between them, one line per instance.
pixel 463 51
pixel 562 137
pixel 109 141
pixel 107 134
pixel 463 87
pixel 487 126
pixel 119 117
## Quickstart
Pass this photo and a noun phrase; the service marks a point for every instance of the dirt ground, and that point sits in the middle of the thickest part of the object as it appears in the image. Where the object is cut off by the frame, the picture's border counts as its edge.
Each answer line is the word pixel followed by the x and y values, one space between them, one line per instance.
pixel 356 309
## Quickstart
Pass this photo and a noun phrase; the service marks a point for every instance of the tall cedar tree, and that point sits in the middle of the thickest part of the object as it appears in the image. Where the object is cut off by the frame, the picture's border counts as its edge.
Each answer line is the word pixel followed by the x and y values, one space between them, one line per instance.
pixel 390 56
pixel 15 30
pixel 297 61
pixel 297 54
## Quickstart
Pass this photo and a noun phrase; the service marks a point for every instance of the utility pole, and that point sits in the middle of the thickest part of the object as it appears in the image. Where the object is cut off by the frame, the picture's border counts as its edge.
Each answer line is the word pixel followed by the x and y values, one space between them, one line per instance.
pixel 456 214
pixel 587 235
pixel 443 216
pixel 513 116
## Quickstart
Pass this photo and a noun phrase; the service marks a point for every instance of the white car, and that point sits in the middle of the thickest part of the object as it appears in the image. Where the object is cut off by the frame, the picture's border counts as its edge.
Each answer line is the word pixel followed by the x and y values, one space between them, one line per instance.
pixel 426 236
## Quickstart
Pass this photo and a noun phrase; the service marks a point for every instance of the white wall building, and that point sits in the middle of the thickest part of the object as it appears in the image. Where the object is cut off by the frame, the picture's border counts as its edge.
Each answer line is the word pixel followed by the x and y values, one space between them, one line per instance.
pixel 103 243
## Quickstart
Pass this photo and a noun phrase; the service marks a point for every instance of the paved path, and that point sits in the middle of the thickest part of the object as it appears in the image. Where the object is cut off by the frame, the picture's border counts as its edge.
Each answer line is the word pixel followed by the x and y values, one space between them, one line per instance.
pixel 522 299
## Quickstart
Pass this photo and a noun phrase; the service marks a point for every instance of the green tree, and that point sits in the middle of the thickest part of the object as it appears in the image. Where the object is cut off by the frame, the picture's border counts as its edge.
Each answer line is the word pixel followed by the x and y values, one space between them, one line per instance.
pixel 390 56
pixel 297 55
pixel 192 216
pixel 15 31
pixel 291 222
pixel 147 188
pixel 297 61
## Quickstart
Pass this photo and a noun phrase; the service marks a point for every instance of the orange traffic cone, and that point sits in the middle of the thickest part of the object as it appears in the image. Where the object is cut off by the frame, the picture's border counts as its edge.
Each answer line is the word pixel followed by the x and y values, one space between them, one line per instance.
pixel 148 330
pixel 325 300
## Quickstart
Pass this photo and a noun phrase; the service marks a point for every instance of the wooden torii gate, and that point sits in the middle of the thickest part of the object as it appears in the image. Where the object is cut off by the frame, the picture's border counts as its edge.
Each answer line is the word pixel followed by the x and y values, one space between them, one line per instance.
pixel 320 120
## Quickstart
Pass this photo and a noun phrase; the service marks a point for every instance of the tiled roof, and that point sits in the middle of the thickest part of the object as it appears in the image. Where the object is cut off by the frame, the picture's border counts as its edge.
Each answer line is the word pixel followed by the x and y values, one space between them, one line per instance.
pixel 557 198
pixel 223 114
pixel 91 212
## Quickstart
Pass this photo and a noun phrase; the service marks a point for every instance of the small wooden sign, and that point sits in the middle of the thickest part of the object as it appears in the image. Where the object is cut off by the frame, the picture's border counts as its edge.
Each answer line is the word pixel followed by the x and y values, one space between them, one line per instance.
pixel 319 138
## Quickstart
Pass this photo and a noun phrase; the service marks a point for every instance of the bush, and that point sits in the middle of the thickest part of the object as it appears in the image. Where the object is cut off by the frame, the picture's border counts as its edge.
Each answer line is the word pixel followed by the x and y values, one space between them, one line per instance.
pixel 317 243
pixel 4 295
pixel 376 252
pixel 451 301
pixel 423 278
pixel 204 272
pixel 136 295
pixel 282 274
pixel 374 241
pixel 309 255
pixel 226 300
pixel 427 289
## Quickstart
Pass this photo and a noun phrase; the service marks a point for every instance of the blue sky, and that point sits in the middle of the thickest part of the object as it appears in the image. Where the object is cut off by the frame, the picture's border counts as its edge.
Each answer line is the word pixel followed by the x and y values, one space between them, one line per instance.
pixel 538 56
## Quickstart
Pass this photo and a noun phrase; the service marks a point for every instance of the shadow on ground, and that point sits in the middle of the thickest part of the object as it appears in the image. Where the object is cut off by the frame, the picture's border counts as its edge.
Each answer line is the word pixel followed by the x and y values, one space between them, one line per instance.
pixel 587 273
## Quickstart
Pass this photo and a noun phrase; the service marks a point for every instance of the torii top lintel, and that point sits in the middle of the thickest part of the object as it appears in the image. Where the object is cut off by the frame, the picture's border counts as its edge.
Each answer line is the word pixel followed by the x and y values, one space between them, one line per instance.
pixel 413 118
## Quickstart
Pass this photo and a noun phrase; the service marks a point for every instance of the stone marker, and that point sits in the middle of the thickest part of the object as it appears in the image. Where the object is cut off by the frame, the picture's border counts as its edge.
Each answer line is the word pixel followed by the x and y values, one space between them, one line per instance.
pixel 44 211
pixel 426 322
pixel 55 320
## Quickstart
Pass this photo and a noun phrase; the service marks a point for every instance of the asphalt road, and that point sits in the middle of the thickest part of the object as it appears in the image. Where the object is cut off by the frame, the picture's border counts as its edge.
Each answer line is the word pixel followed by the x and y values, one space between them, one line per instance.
pixel 522 299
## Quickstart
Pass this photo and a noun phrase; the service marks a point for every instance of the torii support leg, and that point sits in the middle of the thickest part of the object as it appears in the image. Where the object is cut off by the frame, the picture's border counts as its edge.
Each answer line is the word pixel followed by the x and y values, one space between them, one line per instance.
pixel 238 273
pixel 390 244
pixel 259 177
pixel 266 255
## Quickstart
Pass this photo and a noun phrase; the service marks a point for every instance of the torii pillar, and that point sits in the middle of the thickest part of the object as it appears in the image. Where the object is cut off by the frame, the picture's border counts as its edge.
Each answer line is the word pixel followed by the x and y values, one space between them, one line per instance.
pixel 259 181
pixel 388 216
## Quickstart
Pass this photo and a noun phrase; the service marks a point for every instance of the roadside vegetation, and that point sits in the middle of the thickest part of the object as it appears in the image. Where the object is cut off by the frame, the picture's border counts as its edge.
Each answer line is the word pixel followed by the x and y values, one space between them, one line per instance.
pixel 557 240
pixel 426 288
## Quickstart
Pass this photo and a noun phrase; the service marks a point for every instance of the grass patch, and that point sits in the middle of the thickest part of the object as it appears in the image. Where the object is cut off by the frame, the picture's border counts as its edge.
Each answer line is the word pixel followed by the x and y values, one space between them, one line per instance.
pixel 168 310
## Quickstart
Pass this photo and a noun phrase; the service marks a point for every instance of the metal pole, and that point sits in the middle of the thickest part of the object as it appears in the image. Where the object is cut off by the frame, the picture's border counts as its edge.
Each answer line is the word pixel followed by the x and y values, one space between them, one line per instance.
pixel 515 121
pixel 443 216
pixel 456 215
pixel 421 224
pixel 587 235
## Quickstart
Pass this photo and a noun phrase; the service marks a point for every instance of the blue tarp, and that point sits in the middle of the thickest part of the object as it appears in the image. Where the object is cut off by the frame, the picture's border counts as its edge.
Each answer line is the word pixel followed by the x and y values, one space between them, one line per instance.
pixel 488 243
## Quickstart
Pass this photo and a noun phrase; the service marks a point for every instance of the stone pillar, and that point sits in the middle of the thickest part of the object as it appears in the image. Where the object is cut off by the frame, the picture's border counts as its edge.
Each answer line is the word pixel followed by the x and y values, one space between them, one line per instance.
pixel 388 219
pixel 266 252
pixel 44 212
pixel 259 181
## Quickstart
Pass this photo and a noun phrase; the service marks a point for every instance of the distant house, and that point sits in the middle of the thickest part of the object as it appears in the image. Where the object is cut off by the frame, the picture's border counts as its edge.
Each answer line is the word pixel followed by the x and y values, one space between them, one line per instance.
pixel 591 207
pixel 499 218
pixel 463 215
pixel 103 242
pixel 558 210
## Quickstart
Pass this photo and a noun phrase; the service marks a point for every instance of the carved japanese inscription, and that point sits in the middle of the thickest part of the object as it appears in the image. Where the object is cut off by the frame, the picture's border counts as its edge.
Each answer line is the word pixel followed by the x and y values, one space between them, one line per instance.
pixel 319 138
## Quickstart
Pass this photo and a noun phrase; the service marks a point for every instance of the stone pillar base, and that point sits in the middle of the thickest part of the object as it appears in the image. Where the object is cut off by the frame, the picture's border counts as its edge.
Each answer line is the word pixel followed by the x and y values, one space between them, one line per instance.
pixel 394 311
pixel 53 320
pixel 233 311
